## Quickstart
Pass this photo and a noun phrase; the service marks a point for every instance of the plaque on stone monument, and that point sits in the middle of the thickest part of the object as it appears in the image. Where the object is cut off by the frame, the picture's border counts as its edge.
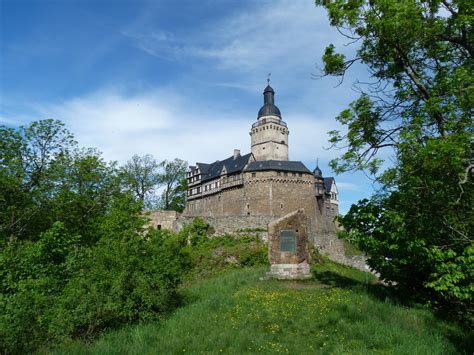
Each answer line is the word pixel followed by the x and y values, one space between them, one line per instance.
pixel 288 247
pixel 288 241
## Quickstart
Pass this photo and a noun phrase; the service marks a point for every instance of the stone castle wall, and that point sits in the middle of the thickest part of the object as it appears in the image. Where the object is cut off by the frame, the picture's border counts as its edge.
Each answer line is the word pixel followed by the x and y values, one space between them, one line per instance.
pixel 163 219
pixel 229 224
pixel 277 195
pixel 262 193
pixel 324 238
pixel 264 197
pixel 227 202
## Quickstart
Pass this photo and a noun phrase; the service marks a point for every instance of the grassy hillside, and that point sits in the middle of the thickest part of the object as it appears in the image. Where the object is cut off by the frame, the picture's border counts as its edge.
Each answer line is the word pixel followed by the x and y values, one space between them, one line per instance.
pixel 340 311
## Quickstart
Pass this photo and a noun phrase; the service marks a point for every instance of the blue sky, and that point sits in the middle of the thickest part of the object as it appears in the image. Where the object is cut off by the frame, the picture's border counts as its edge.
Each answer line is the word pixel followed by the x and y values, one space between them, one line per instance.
pixel 174 78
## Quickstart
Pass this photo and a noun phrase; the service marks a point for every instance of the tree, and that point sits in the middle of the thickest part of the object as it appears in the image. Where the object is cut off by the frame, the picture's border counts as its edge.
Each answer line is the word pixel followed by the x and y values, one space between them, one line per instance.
pixel 419 54
pixel 84 188
pixel 142 176
pixel 173 177
pixel 70 234
pixel 26 156
pixel 178 200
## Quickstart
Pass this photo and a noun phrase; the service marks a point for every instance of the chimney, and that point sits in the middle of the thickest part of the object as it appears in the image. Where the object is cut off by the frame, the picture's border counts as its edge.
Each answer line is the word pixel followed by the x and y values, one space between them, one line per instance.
pixel 236 153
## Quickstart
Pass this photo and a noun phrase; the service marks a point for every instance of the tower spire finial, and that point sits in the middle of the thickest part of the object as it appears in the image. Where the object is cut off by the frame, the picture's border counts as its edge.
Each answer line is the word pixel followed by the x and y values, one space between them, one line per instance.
pixel 268 78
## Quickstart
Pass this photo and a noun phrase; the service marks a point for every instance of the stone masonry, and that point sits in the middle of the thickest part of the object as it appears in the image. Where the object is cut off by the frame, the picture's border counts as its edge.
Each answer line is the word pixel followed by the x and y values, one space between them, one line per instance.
pixel 252 190
pixel 288 247
pixel 163 219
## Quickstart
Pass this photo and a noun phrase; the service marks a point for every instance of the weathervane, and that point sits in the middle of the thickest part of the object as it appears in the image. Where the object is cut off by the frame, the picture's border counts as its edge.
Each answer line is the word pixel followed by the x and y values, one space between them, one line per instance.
pixel 268 78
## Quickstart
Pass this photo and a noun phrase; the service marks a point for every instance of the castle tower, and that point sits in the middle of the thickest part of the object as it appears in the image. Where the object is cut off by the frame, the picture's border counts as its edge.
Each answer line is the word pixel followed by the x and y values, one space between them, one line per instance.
pixel 269 135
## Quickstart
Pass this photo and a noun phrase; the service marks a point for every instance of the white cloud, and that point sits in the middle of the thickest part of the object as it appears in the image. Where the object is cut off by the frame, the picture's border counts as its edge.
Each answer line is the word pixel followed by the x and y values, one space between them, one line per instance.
pixel 148 123
pixel 169 126
pixel 308 138
pixel 285 37
pixel 157 43
pixel 271 34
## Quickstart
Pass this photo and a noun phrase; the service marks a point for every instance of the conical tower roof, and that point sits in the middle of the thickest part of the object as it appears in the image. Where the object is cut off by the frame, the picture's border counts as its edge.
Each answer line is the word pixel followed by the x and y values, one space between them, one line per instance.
pixel 269 108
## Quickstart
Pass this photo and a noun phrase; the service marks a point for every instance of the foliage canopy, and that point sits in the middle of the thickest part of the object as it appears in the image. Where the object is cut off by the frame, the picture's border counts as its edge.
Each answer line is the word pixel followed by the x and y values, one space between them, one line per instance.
pixel 418 103
pixel 73 256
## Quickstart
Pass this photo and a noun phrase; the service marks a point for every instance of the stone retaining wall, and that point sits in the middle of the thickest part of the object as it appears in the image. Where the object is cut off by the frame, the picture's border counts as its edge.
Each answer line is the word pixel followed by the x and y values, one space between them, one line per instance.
pixel 323 238
pixel 163 219
pixel 229 224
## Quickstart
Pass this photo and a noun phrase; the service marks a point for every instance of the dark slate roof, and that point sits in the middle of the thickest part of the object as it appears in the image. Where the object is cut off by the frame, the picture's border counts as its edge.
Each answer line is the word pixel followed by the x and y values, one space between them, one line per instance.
pixel 317 172
pixel 231 165
pixel 268 89
pixel 278 165
pixel 269 110
pixel 328 181
pixel 204 168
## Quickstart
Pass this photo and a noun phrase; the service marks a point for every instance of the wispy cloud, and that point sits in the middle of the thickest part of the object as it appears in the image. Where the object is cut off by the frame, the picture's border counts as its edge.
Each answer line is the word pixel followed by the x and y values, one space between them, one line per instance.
pixel 284 36
pixel 266 35
pixel 231 52
pixel 169 126
pixel 155 123
pixel 157 43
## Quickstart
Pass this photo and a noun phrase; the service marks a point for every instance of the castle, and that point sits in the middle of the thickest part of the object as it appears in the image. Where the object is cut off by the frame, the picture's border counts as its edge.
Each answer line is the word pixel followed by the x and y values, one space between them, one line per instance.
pixel 246 192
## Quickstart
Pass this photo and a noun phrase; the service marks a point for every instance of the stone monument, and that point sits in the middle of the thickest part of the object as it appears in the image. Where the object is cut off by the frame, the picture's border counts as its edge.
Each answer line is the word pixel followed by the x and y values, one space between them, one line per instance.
pixel 288 247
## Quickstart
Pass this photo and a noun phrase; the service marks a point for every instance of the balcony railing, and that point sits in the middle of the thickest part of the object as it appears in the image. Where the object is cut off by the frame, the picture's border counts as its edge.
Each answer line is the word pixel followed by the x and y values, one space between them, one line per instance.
pixel 264 121
pixel 231 183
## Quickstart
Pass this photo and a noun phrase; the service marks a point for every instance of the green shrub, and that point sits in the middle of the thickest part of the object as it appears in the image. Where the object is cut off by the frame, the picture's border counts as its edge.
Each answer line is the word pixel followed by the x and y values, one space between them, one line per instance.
pixel 61 287
pixel 125 281
pixel 196 232
pixel 253 256
pixel 56 289
pixel 33 275
pixel 215 254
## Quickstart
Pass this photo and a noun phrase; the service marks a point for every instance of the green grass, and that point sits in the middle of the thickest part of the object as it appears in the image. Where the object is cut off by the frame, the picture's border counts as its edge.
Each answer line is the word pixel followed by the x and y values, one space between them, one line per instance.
pixel 340 311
